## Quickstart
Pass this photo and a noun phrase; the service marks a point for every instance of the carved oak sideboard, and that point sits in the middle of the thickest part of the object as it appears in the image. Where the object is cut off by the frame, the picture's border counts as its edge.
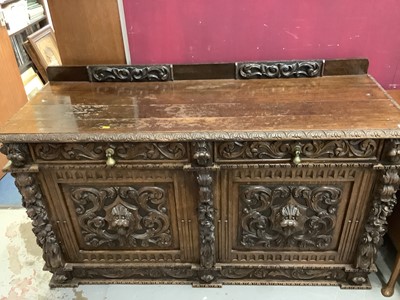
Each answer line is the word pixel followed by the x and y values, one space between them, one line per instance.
pixel 209 182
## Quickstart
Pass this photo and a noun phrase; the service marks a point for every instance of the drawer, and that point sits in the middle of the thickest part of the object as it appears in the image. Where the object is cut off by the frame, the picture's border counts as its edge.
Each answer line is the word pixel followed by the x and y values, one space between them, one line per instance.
pixel 97 152
pixel 309 151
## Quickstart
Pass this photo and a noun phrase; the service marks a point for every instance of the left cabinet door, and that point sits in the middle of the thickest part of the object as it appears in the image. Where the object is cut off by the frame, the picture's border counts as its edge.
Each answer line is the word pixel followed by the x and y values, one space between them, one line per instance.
pixel 121 215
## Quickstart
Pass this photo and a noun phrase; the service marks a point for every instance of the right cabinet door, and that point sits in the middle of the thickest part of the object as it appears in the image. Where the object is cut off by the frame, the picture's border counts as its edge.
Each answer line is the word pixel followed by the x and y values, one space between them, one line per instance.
pixel 291 215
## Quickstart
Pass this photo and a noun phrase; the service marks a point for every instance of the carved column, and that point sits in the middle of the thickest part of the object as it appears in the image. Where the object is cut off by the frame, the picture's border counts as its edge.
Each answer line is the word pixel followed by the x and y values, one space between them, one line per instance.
pixel 206 224
pixel 34 202
pixel 376 226
pixel 201 162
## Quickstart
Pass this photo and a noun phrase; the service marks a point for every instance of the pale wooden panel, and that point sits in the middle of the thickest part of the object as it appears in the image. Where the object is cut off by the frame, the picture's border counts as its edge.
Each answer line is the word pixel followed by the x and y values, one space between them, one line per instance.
pixel 12 93
pixel 88 32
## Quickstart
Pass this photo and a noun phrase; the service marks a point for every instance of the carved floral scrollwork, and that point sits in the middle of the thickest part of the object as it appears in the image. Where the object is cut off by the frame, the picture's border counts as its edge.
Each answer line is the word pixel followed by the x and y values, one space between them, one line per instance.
pixel 123 216
pixel 376 226
pixel 288 216
pixel 33 201
pixel 130 73
pixel 124 151
pixel 288 69
pixel 309 149
pixel 140 273
pixel 18 154
pixel 294 274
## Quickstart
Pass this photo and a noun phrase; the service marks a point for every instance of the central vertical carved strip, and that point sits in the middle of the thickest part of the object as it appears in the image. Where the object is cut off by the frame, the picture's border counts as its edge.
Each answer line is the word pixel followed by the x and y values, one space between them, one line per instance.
pixel 206 219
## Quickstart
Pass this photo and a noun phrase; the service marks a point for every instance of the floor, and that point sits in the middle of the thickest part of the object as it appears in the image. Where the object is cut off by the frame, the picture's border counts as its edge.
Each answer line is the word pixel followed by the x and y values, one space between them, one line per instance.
pixel 21 275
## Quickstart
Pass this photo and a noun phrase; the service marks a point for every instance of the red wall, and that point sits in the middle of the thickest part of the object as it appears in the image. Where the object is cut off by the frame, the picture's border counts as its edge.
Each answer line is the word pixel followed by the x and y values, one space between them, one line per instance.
pixel 199 31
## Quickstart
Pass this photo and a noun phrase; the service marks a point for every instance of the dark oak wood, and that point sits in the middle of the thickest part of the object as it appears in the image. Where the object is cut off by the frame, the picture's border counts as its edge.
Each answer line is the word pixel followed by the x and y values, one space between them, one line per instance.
pixel 283 181
pixel 336 67
pixel 204 71
pixel 240 70
pixel 327 107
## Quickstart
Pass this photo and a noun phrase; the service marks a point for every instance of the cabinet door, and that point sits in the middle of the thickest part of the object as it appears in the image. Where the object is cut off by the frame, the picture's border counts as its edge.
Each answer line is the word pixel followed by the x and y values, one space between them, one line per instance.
pixel 292 215
pixel 122 215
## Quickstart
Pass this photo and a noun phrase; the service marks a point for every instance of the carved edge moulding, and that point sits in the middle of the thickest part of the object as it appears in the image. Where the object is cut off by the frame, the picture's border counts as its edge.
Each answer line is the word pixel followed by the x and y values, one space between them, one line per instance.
pixel 203 136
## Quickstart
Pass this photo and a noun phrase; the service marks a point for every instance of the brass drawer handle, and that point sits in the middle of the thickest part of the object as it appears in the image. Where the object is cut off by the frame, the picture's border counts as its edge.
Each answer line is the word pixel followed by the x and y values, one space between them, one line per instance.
pixel 110 160
pixel 297 152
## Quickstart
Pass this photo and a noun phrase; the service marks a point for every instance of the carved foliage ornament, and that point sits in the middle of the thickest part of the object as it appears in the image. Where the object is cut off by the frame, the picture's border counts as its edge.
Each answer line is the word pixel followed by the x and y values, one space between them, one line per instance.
pixel 123 216
pixel 288 216
pixel 311 149
pixel 125 151
pixel 201 153
pixel 287 69
pixel 376 226
pixel 297 274
pixel 130 73
pixel 139 273
pixel 393 151
pixel 206 220
pixel 18 154
pixel 32 199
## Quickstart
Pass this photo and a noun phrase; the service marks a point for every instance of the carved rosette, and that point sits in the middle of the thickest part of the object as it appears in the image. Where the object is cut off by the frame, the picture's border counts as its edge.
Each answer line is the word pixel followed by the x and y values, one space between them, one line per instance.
pixel 288 217
pixel 33 200
pixel 376 226
pixel 357 278
pixel 123 216
pixel 206 224
pixel 309 149
pixel 130 73
pixel 289 69
pixel 18 154
pixel 202 153
pixel 122 151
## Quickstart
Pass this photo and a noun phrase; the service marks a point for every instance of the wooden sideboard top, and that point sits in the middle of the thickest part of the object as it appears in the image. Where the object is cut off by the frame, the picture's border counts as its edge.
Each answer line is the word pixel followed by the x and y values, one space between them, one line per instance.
pixel 315 108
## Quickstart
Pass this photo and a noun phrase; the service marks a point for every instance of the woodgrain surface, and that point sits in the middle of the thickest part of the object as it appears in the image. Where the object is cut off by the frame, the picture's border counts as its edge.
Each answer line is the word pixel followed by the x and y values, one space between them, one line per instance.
pixel 77 111
pixel 88 32
pixel 12 93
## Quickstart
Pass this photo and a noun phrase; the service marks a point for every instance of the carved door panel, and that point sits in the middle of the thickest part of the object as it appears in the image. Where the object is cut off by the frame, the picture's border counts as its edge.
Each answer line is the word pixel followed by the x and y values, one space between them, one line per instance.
pixel 290 215
pixel 123 215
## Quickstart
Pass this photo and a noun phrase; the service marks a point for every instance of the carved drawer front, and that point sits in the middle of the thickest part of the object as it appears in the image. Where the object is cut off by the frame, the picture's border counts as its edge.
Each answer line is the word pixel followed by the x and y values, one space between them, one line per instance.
pixel 120 152
pixel 308 151
pixel 124 215
pixel 290 215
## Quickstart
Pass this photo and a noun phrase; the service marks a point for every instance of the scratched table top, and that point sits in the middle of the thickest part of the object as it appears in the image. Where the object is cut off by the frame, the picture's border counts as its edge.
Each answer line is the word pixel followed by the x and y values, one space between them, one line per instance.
pixel 315 108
